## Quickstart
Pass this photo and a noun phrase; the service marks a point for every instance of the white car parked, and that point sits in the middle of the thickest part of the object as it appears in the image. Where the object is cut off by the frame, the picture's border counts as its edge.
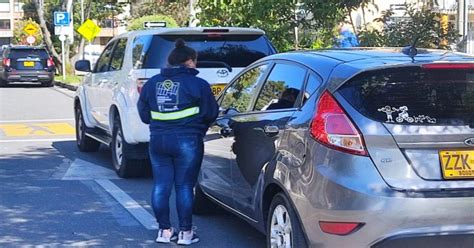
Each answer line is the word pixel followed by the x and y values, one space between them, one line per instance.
pixel 105 102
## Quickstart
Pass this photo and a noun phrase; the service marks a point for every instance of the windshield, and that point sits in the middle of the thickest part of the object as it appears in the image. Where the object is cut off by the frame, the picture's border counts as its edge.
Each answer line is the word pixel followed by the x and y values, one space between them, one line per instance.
pixel 32 53
pixel 414 96
pixel 234 50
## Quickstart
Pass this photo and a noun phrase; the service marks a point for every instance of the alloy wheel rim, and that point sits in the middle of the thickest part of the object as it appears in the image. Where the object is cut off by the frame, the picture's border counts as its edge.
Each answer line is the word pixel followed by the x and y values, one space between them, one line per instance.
pixel 118 148
pixel 280 229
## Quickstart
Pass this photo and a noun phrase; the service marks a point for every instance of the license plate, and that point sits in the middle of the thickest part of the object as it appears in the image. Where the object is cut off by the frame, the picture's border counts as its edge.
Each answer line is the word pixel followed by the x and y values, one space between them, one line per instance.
pixel 457 164
pixel 28 64
pixel 217 88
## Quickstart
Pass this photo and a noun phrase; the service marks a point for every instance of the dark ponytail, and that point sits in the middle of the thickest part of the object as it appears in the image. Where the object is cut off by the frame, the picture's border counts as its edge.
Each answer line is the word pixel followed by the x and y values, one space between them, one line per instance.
pixel 181 53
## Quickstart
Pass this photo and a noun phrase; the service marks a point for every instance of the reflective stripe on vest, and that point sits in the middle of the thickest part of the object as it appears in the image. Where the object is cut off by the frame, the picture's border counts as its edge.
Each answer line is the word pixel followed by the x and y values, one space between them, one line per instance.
pixel 174 115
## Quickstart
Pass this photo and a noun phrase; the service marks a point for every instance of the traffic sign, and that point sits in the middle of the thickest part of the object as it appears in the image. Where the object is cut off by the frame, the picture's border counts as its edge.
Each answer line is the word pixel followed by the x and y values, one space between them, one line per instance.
pixel 61 19
pixel 30 29
pixel 89 30
pixel 30 39
pixel 154 24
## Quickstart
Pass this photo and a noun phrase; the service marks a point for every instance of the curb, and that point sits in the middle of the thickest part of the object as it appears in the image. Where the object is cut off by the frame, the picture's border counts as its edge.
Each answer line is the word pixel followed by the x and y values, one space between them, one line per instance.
pixel 67 86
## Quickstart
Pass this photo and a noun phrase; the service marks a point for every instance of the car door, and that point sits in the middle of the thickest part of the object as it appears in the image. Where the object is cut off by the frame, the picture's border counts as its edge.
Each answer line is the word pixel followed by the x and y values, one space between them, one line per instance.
pixel 216 177
pixel 113 77
pixel 257 133
pixel 99 77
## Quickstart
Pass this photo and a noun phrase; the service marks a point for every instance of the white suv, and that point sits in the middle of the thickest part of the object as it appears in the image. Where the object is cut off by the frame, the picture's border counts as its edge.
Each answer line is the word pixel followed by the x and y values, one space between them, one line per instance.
pixel 105 102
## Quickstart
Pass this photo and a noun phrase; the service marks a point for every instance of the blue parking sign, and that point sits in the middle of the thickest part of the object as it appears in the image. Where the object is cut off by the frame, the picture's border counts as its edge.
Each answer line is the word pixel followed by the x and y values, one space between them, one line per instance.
pixel 61 18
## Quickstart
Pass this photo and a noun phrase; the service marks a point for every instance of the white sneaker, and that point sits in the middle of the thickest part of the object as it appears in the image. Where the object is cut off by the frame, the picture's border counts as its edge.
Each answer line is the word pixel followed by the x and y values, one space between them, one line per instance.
pixel 166 235
pixel 187 238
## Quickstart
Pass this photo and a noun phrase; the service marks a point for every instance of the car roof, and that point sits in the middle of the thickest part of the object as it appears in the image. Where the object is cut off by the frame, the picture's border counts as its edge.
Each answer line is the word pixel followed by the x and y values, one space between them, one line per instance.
pixel 194 31
pixel 336 66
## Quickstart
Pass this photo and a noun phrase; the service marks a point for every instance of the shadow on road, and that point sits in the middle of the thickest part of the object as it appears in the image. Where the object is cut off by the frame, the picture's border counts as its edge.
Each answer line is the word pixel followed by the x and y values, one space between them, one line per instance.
pixel 37 208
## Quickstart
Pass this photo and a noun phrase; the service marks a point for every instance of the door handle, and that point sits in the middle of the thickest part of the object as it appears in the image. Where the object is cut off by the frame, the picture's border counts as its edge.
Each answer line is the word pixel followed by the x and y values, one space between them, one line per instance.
pixel 271 130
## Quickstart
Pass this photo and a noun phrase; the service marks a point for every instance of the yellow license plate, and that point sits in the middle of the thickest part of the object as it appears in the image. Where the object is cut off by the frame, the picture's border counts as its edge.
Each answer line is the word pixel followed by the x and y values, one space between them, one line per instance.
pixel 28 63
pixel 457 164
pixel 217 88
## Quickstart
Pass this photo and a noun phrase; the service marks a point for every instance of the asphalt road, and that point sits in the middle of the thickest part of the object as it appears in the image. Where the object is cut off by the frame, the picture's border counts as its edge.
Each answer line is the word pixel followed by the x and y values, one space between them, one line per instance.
pixel 53 195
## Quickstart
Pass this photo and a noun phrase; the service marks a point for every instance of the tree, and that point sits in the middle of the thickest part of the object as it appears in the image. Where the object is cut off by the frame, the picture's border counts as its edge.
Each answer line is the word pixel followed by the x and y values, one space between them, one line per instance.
pixel 137 24
pixel 19 35
pixel 421 24
pixel 178 9
pixel 315 19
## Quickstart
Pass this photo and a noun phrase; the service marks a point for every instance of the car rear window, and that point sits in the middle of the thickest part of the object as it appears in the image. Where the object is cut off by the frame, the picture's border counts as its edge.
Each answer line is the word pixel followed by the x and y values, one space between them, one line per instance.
pixel 235 50
pixel 32 53
pixel 414 96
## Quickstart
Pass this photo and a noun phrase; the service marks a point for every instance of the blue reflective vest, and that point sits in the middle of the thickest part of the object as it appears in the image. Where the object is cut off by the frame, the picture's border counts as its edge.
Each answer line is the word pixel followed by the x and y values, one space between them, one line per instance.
pixel 176 100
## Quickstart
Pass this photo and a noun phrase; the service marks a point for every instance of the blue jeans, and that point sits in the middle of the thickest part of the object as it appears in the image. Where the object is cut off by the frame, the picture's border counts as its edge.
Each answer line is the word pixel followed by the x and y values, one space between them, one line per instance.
pixel 176 160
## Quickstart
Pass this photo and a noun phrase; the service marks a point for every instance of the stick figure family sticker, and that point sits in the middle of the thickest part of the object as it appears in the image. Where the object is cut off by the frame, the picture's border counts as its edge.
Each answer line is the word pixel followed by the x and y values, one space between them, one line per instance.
pixel 403 115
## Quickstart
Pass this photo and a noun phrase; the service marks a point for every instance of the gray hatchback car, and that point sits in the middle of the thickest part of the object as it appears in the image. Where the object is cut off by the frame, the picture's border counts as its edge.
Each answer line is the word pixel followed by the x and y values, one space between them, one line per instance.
pixel 347 148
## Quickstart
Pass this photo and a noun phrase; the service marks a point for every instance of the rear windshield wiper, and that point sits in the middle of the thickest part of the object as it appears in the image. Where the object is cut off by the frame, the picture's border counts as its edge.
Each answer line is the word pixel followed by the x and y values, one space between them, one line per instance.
pixel 211 64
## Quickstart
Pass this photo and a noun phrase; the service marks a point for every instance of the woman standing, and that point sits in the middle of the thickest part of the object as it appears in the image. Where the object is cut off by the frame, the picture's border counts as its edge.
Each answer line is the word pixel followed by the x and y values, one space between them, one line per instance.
pixel 179 106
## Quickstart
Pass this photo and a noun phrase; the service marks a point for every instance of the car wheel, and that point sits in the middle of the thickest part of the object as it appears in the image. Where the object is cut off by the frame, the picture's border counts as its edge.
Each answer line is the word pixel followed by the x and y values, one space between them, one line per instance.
pixel 84 142
pixel 124 166
pixel 283 226
pixel 202 204
pixel 3 83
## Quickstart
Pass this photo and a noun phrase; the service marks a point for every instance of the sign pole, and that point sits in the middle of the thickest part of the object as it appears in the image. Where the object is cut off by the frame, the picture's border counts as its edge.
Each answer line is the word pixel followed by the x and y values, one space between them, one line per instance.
pixel 63 38
pixel 82 21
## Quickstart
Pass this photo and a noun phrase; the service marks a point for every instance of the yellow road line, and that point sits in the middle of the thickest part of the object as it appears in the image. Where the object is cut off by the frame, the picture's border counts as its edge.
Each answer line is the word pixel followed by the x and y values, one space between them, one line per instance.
pixel 37 129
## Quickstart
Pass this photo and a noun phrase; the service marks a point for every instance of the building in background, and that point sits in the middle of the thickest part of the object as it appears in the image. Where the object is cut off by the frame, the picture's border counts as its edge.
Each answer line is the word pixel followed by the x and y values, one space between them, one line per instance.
pixel 110 27
pixel 460 13
pixel 10 11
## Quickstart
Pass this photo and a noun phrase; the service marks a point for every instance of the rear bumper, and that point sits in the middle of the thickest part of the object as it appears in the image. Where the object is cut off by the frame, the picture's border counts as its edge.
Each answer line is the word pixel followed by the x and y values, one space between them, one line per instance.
pixel 29 76
pixel 348 188
pixel 430 240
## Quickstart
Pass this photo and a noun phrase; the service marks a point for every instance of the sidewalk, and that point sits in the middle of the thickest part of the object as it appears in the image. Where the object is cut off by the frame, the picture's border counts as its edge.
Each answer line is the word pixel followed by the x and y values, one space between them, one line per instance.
pixel 64 85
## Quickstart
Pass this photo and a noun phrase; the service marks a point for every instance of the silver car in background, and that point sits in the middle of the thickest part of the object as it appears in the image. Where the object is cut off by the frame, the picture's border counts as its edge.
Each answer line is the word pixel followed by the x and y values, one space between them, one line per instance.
pixel 347 148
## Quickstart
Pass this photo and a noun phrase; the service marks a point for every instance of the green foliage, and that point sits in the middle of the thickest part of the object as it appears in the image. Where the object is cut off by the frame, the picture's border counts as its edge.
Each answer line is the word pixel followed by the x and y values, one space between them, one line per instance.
pixel 178 9
pixel 137 24
pixel 277 18
pixel 420 23
pixel 241 93
pixel 20 35
pixel 271 91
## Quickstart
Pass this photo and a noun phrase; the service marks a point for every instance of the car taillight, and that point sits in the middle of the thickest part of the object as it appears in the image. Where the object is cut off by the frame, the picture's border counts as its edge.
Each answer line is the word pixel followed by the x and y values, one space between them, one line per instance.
pixel 140 83
pixel 6 62
pixel 339 228
pixel 50 62
pixel 332 127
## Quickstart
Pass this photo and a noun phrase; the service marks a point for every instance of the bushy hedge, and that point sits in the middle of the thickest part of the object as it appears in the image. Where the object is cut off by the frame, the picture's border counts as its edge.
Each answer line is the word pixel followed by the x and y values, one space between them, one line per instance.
pixel 137 24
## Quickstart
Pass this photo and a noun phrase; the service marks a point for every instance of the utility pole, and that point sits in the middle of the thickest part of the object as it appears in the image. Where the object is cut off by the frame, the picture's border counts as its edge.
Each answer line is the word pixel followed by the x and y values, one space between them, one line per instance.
pixel 463 21
pixel 82 21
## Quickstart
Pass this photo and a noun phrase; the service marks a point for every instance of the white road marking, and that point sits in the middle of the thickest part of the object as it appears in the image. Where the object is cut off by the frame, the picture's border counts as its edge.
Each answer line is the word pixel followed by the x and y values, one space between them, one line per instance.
pixel 83 170
pixel 40 120
pixel 35 140
pixel 135 209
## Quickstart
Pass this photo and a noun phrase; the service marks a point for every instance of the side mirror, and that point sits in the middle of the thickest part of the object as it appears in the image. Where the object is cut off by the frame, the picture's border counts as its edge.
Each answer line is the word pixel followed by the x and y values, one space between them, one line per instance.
pixel 230 111
pixel 83 65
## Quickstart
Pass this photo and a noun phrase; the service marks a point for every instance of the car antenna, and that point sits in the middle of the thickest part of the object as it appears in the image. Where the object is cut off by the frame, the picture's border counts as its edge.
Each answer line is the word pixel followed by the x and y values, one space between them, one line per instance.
pixel 411 49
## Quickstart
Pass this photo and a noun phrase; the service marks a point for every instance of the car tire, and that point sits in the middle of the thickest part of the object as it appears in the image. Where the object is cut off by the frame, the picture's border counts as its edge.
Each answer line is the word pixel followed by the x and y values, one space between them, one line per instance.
pixel 84 142
pixel 47 84
pixel 3 83
pixel 202 204
pixel 278 234
pixel 123 165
